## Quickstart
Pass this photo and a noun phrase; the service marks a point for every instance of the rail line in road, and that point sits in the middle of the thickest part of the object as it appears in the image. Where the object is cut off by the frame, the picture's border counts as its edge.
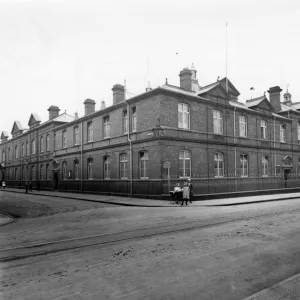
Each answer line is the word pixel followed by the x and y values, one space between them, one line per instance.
pixel 10 254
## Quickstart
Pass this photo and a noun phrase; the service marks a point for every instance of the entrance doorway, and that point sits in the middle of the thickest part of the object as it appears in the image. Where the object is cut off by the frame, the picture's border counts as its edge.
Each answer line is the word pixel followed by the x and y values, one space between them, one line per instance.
pixel 286 172
pixel 55 181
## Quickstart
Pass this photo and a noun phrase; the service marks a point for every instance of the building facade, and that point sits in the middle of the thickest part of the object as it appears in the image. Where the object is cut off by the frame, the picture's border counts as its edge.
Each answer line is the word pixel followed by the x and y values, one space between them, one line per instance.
pixel 144 145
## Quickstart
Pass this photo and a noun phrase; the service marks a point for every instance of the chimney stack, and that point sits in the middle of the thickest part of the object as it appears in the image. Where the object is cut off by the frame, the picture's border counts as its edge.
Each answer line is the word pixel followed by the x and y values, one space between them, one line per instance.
pixel 102 106
pixel 53 112
pixel 118 93
pixel 89 106
pixel 275 97
pixel 186 79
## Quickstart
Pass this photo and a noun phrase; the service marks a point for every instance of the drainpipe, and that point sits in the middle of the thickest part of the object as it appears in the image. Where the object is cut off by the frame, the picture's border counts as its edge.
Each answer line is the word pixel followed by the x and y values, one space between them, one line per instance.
pixel 274 143
pixel 81 159
pixel 234 142
pixel 130 146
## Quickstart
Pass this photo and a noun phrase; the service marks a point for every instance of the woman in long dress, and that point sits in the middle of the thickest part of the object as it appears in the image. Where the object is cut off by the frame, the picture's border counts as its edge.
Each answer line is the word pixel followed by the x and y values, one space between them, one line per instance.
pixel 186 194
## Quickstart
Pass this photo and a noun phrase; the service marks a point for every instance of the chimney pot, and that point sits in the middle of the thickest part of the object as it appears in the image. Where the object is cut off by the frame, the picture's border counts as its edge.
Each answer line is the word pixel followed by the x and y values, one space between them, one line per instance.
pixel 118 93
pixel 53 112
pixel 275 97
pixel 89 106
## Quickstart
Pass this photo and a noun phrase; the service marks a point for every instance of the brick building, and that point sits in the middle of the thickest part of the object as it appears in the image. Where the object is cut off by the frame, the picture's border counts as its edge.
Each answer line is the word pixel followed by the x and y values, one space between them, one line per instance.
pixel 139 146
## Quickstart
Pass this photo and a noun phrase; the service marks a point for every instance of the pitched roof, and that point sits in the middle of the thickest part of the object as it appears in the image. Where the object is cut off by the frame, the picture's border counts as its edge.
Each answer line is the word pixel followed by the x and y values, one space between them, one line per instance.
pixel 17 127
pixel 285 107
pixel 255 101
pixel 4 134
pixel 33 119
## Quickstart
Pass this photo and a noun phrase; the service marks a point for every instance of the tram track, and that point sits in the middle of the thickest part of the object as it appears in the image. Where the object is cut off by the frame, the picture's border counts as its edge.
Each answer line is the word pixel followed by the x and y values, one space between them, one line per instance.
pixel 16 253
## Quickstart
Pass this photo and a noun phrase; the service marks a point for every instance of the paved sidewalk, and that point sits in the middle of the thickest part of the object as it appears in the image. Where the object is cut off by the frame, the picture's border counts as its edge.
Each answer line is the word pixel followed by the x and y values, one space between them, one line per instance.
pixel 287 289
pixel 128 201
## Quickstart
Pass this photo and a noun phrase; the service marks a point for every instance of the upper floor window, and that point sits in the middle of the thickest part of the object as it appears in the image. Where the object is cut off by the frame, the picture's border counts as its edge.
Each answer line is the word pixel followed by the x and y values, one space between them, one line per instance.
pixel 125 121
pixel 90 168
pixel 263 129
pixel 143 164
pixel 123 166
pixel 219 164
pixel 218 121
pixel 42 144
pixel 183 116
pixel 47 142
pixel 184 163
pixel 282 133
pixel 244 165
pixel 23 150
pixel 106 127
pixel 16 152
pixel 265 165
pixel 106 167
pixel 76 169
pixel 64 139
pixel 3 156
pixel 54 141
pixel 27 148
pixel 33 147
pixel 243 126
pixel 8 154
pixel 133 119
pixel 90 132
pixel 76 135
pixel 64 171
pixel 298 130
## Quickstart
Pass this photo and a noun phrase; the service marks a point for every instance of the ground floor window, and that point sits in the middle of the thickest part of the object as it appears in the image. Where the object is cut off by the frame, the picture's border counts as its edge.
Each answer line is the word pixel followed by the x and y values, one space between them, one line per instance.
pixel 265 166
pixel 90 168
pixel 64 171
pixel 106 168
pixel 143 164
pixel 184 164
pixel 219 164
pixel 244 165
pixel 123 166
pixel 76 169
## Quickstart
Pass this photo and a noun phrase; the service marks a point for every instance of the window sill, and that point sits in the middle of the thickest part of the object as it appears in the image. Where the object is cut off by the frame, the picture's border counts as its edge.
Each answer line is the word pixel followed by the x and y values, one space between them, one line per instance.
pixel 144 178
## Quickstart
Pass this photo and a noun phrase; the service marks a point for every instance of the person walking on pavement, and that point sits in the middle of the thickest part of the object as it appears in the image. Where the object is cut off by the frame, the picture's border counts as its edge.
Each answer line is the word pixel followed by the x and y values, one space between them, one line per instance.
pixel 3 185
pixel 26 187
pixel 186 194
pixel 190 185
pixel 30 186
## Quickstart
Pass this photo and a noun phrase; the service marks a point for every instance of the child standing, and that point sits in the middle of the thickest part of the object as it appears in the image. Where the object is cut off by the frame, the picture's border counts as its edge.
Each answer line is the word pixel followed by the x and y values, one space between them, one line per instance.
pixel 186 194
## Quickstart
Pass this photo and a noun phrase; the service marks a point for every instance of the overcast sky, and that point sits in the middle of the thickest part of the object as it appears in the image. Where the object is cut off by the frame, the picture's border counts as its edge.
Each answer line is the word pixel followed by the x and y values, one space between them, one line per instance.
pixel 60 52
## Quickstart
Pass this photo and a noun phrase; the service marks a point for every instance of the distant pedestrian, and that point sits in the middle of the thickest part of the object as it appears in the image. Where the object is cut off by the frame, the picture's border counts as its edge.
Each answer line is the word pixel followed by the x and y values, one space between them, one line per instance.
pixel 38 185
pixel 186 194
pixel 190 185
pixel 26 187
pixel 3 185
pixel 30 186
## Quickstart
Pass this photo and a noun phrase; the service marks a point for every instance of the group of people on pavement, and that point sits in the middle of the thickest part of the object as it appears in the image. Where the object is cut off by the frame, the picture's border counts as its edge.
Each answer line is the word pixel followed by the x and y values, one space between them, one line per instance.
pixel 184 193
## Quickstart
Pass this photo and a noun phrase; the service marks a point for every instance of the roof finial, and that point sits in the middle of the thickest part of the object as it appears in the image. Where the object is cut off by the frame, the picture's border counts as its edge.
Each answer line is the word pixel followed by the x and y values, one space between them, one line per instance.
pixel 218 78
pixel 166 80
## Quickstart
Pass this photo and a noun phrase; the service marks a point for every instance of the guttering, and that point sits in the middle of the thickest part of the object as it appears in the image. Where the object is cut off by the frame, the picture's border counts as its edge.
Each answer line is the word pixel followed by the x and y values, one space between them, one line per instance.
pixel 130 146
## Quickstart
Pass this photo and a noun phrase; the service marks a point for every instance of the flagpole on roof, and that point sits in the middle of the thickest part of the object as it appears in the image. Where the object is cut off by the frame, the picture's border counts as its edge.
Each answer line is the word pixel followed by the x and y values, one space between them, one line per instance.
pixel 226 67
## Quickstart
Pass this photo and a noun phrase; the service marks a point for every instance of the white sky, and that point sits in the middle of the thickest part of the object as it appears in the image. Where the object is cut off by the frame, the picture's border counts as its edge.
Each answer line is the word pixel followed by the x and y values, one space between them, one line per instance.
pixel 60 52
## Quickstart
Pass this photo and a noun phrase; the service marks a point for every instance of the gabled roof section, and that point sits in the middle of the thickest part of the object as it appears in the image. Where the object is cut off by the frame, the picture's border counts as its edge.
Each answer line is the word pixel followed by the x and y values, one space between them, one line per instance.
pixel 34 118
pixel 214 89
pixel 4 135
pixel 17 127
pixel 286 108
pixel 64 118
pixel 231 88
pixel 260 102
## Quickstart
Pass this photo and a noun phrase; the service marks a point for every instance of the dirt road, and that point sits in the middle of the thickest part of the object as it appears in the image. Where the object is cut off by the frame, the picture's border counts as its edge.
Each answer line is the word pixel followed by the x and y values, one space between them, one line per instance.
pixel 228 261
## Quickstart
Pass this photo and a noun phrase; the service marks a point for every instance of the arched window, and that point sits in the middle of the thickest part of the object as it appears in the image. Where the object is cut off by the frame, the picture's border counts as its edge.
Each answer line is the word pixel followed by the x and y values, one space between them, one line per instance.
pixel 27 149
pixel 3 156
pixel 33 146
pixel 76 169
pixel 143 159
pixel 64 139
pixel 123 166
pixel 42 144
pixel 219 164
pixel 16 152
pixel 47 142
pixel 64 171
pixel 244 165
pixel 33 177
pixel 106 167
pixel 23 150
pixel 41 172
pixel 243 126
pixel 265 165
pixel 184 163
pixel 90 168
